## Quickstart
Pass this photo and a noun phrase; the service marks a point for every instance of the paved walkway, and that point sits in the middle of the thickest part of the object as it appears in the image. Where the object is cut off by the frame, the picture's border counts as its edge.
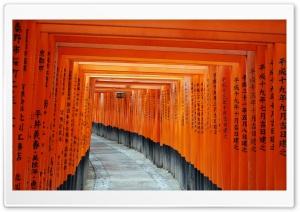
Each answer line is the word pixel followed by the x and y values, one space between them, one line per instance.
pixel 116 167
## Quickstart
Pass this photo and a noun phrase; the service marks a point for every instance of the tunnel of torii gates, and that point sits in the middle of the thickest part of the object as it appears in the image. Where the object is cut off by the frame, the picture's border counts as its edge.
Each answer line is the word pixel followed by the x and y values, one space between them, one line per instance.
pixel 204 99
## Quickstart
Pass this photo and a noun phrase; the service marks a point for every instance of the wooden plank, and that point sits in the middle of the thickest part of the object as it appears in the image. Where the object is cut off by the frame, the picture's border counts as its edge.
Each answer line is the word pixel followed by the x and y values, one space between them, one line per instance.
pixel 260 75
pixel 186 34
pixel 125 53
pixel 243 128
pixel 235 123
pixel 214 124
pixel 280 95
pixel 19 77
pixel 270 145
pixel 156 42
pixel 225 72
pixel 267 26
pixel 251 118
pixel 219 129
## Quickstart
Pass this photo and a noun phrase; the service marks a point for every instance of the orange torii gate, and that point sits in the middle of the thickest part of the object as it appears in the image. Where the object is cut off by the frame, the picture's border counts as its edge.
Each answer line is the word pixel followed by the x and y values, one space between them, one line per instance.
pixel 214 106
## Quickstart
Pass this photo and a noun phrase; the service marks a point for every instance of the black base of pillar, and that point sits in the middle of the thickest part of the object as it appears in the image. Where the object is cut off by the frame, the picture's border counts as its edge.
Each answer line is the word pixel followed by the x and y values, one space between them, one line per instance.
pixel 76 181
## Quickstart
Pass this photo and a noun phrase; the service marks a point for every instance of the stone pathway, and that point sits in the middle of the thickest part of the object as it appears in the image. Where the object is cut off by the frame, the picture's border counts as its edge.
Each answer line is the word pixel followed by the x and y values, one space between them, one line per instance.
pixel 114 166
